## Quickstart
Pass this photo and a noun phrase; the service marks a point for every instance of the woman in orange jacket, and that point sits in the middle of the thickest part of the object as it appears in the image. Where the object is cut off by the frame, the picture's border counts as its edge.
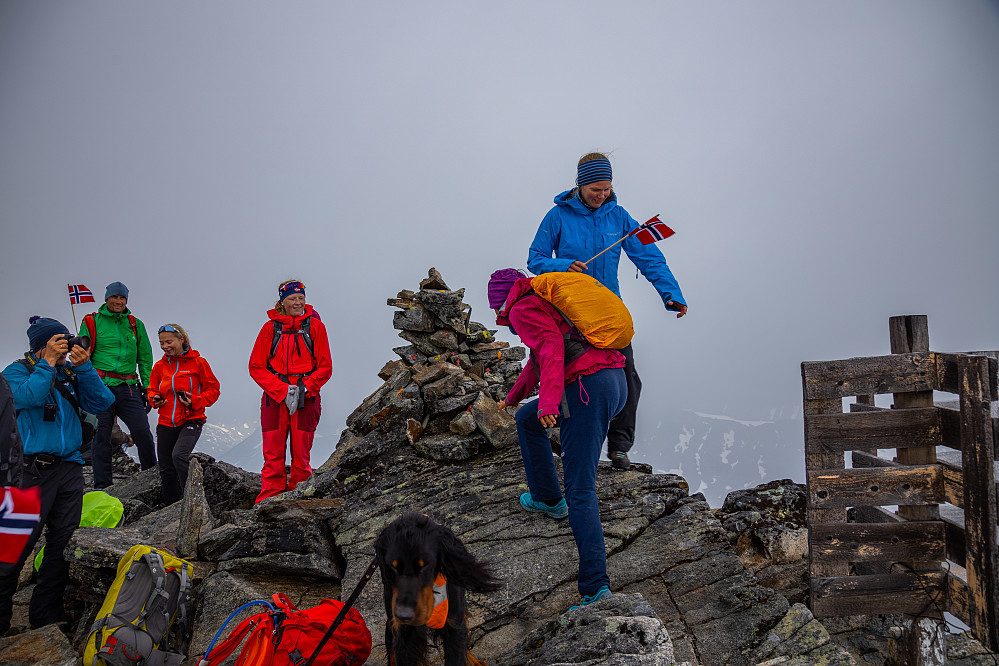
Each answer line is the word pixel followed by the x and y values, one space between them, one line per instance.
pixel 181 386
pixel 290 361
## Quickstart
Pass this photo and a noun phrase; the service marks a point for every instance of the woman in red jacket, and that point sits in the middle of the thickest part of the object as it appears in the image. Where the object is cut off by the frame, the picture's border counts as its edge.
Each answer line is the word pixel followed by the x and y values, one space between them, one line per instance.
pixel 290 361
pixel 181 386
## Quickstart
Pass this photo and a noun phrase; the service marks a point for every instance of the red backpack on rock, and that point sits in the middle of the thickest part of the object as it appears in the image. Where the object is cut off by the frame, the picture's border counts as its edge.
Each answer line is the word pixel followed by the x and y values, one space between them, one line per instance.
pixel 287 636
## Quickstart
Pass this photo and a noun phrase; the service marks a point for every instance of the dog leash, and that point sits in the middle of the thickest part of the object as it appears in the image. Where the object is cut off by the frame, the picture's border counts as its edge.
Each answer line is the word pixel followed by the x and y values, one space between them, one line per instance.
pixel 343 611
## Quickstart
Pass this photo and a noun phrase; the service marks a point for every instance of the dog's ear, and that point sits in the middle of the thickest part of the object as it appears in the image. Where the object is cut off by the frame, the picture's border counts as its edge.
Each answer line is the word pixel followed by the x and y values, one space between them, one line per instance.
pixel 461 566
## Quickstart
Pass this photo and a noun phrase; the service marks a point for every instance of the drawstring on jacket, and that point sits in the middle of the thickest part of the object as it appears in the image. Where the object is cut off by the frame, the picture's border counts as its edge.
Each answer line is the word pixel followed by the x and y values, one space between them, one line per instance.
pixel 582 392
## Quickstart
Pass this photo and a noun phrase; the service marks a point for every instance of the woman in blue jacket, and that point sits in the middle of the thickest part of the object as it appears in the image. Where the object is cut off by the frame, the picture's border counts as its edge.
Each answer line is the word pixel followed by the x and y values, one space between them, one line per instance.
pixel 584 221
pixel 45 388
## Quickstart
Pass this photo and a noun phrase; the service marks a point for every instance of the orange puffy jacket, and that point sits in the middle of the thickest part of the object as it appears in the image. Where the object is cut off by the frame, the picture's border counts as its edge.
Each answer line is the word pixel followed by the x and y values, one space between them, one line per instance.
pixel 187 372
pixel 291 357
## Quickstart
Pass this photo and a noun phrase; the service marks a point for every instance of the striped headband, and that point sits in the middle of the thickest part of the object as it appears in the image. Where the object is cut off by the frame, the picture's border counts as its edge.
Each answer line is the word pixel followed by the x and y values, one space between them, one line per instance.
pixel 592 171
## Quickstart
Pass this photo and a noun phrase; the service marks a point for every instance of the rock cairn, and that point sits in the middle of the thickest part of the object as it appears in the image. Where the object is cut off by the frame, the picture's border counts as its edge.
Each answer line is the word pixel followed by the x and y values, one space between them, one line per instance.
pixel 443 389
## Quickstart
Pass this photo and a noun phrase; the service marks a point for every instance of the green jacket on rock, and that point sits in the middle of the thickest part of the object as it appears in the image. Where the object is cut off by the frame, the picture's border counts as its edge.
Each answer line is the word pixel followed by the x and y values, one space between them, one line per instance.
pixel 117 349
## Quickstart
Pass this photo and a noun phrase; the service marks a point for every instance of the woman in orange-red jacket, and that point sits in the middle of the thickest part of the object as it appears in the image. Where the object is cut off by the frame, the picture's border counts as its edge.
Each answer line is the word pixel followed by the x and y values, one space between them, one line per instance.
pixel 290 361
pixel 181 386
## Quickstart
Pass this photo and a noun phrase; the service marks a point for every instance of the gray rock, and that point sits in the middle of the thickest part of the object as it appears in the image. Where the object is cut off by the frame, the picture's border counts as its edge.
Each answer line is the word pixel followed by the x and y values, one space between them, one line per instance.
pixel 422 343
pixel 463 424
pixel 46 646
pixel 623 629
pixel 445 339
pixel 449 447
pixel 195 514
pixel 410 354
pixel 416 319
pixel 434 280
pixel 800 638
pixel 498 426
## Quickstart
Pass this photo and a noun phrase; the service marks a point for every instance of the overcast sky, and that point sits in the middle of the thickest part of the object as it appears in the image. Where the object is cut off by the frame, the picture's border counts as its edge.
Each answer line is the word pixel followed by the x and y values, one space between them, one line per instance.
pixel 825 165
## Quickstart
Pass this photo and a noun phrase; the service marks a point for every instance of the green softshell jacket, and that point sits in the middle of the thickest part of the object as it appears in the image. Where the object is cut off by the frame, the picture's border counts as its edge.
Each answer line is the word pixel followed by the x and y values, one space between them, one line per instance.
pixel 115 349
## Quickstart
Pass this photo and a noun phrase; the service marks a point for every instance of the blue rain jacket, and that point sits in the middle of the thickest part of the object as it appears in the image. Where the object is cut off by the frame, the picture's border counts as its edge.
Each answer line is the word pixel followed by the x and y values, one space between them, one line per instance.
pixel 33 389
pixel 572 232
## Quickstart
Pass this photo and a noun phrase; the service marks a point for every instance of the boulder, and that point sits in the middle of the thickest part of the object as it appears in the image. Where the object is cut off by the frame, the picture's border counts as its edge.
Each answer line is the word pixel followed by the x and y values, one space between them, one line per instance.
pixel 46 646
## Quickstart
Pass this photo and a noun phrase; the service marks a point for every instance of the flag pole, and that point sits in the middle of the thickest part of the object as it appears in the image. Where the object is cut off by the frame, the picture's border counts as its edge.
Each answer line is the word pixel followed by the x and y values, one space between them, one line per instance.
pixel 72 308
pixel 633 232
pixel 608 247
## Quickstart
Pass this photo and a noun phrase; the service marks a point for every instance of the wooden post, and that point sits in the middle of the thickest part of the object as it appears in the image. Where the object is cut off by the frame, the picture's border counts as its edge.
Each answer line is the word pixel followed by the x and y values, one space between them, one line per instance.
pixel 980 513
pixel 909 334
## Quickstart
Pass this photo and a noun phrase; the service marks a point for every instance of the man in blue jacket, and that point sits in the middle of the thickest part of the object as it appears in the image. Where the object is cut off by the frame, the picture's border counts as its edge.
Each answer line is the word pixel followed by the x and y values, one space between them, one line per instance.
pixel 584 221
pixel 47 395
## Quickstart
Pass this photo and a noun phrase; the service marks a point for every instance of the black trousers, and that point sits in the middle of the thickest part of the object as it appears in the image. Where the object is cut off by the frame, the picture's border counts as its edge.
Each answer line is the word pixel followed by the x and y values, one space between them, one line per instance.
pixel 62 503
pixel 173 448
pixel 128 406
pixel 621 433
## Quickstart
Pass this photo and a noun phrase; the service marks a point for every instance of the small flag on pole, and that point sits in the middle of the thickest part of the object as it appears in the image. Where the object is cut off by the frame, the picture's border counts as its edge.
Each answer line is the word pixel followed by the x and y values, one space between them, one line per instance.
pixel 78 293
pixel 652 231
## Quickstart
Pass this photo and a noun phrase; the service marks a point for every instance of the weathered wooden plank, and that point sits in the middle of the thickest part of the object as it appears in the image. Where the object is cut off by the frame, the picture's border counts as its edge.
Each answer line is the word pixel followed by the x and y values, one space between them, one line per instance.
pixel 903 486
pixel 912 593
pixel 830 461
pixel 953 520
pixel 875 514
pixel 864 459
pixel 878 542
pixel 884 429
pixel 910 334
pixel 957 598
pixel 948 375
pixel 950 428
pixel 872 374
pixel 980 511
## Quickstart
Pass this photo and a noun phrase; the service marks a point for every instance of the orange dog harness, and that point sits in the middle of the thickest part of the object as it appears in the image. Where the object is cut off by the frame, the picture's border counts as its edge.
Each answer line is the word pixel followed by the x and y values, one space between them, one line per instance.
pixel 439 615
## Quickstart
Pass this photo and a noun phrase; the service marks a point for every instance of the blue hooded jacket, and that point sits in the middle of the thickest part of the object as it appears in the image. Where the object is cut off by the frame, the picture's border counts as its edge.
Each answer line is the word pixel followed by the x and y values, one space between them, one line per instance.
pixel 33 389
pixel 572 232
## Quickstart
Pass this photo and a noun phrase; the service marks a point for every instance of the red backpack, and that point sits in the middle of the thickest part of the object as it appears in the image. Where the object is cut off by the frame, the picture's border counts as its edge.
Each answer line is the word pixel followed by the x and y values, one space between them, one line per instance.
pixel 287 636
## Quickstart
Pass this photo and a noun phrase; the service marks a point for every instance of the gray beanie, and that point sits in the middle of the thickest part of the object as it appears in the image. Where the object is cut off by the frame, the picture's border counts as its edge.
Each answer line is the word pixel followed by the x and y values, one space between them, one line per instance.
pixel 116 289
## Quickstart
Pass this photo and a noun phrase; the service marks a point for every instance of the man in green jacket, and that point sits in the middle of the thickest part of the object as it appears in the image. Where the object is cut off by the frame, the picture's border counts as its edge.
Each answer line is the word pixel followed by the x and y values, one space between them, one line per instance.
pixel 122 356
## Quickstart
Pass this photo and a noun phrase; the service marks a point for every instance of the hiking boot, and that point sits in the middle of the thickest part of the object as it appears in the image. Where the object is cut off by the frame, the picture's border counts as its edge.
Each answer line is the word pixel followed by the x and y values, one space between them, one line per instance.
pixel 619 460
pixel 559 511
pixel 603 593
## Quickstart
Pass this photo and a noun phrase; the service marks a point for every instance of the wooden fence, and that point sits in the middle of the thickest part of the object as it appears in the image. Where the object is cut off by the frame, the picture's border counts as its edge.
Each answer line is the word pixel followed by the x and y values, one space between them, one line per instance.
pixel 938 552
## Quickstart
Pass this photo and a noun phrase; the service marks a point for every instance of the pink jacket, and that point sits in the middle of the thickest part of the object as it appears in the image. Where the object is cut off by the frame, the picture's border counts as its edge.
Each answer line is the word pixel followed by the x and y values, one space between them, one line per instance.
pixel 541 327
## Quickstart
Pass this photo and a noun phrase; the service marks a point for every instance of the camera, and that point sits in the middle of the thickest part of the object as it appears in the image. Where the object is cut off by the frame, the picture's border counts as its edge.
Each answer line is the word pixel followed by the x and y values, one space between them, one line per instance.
pixel 77 340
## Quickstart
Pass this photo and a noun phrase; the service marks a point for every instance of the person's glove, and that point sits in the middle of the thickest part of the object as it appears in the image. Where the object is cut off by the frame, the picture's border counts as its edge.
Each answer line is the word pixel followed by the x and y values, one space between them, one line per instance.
pixel 292 399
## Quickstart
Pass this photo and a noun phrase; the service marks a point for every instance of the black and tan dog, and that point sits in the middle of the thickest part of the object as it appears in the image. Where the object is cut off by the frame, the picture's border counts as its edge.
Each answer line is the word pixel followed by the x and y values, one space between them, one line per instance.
pixel 425 572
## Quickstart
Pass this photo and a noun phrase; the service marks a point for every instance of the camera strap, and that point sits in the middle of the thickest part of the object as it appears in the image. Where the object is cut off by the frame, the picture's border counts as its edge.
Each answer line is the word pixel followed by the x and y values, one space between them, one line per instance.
pixel 60 385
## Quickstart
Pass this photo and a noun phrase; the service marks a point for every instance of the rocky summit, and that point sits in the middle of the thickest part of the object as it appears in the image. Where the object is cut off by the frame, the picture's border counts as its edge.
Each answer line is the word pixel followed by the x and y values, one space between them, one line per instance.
pixel 692 585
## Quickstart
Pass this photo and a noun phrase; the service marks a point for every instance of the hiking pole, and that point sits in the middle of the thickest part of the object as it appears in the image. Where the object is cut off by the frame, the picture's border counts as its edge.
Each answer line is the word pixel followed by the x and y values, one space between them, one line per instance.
pixel 365 577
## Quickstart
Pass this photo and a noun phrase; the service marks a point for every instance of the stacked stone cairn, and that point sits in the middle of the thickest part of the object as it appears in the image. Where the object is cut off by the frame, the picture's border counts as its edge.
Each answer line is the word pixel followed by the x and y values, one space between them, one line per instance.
pixel 443 389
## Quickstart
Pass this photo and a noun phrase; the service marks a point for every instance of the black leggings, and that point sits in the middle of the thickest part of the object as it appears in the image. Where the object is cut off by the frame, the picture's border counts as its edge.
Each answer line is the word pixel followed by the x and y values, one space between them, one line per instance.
pixel 173 449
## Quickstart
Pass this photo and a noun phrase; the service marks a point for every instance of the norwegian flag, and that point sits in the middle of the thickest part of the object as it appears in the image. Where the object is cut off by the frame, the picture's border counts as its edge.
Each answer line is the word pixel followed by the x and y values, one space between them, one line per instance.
pixel 78 293
pixel 19 513
pixel 653 231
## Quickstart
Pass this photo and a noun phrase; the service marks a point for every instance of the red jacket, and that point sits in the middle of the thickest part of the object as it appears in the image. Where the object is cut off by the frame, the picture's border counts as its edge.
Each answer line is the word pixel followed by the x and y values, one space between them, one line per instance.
pixel 187 372
pixel 292 357
pixel 541 327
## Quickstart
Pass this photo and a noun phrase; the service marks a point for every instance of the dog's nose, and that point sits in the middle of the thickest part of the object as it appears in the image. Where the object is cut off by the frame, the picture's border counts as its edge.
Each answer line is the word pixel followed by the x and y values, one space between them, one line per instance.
pixel 404 614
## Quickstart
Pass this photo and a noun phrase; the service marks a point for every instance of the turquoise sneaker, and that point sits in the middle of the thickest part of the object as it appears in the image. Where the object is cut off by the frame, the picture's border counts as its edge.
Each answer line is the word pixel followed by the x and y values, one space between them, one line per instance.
pixel 603 593
pixel 559 511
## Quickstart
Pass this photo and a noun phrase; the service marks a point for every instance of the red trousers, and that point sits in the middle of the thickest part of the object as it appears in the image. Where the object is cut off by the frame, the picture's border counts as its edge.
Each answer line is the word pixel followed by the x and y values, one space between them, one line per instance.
pixel 277 425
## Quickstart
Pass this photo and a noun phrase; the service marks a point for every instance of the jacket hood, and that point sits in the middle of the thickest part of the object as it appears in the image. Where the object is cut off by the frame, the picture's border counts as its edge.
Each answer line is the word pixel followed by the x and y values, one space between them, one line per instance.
pixel 519 288
pixel 288 319
pixel 189 354
pixel 569 199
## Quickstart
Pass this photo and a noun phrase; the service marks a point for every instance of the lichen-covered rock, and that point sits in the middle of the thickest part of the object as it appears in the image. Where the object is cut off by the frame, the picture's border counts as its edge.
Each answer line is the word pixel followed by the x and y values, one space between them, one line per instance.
pixel 616 630
pixel 497 425
pixel 800 639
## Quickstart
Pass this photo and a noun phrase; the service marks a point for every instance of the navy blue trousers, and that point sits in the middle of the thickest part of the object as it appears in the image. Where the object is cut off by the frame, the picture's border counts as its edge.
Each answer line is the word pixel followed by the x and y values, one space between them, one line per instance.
pixel 593 401
pixel 129 408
